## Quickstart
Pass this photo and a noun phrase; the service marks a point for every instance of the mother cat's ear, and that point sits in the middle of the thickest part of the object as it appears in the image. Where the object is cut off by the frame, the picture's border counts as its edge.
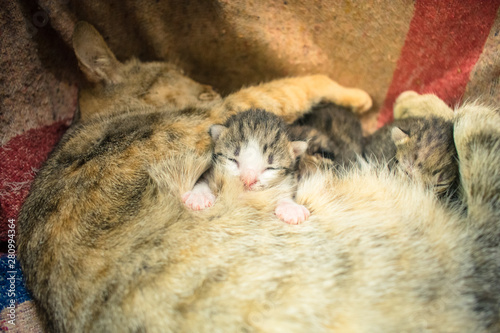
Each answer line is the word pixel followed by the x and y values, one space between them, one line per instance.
pixel 216 130
pixel 95 58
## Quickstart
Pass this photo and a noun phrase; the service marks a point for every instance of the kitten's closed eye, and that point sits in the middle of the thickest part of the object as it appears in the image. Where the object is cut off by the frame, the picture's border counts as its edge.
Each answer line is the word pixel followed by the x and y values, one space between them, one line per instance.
pixel 233 160
pixel 275 168
pixel 217 155
pixel 325 154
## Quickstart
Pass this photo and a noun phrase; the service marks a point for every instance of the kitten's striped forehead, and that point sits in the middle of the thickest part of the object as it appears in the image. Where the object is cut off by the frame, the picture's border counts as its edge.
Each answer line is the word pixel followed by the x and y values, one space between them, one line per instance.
pixel 266 128
pixel 268 142
pixel 255 131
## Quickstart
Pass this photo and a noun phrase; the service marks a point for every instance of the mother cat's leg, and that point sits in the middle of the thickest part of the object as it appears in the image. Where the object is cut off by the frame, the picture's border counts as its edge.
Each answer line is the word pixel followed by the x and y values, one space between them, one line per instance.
pixel 290 98
pixel 477 139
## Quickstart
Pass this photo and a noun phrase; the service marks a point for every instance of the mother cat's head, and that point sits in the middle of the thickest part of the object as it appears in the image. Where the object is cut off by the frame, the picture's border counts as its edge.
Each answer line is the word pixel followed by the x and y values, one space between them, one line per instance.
pixel 113 84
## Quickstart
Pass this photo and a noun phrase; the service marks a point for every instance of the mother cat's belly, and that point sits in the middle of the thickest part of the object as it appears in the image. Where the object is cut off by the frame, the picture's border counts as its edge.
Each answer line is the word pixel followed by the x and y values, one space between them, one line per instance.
pixel 236 265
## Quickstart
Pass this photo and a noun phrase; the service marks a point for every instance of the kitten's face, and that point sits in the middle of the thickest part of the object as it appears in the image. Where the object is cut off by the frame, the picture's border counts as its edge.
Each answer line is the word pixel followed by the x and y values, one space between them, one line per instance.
pixel 254 146
pixel 426 151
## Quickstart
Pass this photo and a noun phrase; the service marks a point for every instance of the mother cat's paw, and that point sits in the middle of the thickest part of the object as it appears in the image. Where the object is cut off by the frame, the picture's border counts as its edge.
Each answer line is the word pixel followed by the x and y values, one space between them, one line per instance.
pixel 291 212
pixel 198 200
pixel 411 104
pixel 359 100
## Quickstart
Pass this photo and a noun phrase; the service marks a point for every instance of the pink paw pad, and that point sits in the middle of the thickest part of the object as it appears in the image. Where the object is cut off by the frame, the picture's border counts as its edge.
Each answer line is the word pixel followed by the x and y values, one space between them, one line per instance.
pixel 198 200
pixel 291 212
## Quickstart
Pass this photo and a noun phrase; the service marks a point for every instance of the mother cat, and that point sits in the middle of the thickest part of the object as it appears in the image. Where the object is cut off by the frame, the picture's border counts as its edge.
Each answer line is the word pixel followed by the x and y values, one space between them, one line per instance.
pixel 107 245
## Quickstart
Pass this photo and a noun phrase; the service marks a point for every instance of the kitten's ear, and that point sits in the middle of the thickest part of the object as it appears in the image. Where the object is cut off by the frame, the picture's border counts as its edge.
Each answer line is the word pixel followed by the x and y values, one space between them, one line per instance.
pixel 215 131
pixel 398 136
pixel 299 147
pixel 95 58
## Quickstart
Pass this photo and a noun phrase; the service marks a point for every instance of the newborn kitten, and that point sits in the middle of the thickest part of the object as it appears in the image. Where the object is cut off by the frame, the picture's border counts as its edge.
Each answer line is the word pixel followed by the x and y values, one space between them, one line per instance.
pixel 254 146
pixel 332 132
pixel 423 147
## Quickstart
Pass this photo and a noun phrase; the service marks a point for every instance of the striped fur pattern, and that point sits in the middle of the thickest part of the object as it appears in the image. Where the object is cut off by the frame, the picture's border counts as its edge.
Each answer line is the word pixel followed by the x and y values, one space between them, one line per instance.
pixel 423 148
pixel 141 137
pixel 419 142
pixel 255 146
pixel 332 132
pixel 153 265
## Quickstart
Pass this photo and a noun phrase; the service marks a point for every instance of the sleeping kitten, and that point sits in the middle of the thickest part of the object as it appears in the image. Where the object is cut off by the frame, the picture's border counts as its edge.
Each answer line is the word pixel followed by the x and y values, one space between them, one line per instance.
pixel 254 146
pixel 332 132
pixel 422 147
pixel 425 150
pixel 419 142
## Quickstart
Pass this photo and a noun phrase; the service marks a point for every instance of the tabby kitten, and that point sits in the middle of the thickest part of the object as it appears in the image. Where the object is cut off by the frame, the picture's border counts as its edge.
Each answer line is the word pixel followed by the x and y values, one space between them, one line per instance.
pixel 332 132
pixel 254 146
pixel 422 147
pixel 425 150
pixel 419 142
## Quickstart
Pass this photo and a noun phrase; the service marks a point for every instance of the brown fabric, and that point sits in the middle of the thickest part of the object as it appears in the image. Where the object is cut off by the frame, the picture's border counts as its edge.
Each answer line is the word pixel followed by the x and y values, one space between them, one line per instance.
pixel 38 71
pixel 227 44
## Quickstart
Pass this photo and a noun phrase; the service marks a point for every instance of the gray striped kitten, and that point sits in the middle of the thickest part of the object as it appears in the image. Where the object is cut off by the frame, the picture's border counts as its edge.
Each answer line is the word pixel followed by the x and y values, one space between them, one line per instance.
pixel 255 147
pixel 332 132
pixel 422 147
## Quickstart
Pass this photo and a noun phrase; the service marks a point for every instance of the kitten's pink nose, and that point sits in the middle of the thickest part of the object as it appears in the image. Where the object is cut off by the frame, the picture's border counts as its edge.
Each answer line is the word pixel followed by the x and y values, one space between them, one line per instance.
pixel 249 177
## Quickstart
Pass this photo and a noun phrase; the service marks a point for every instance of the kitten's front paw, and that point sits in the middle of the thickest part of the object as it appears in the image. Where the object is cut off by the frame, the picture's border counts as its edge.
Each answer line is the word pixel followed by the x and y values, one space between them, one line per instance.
pixel 291 212
pixel 198 200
